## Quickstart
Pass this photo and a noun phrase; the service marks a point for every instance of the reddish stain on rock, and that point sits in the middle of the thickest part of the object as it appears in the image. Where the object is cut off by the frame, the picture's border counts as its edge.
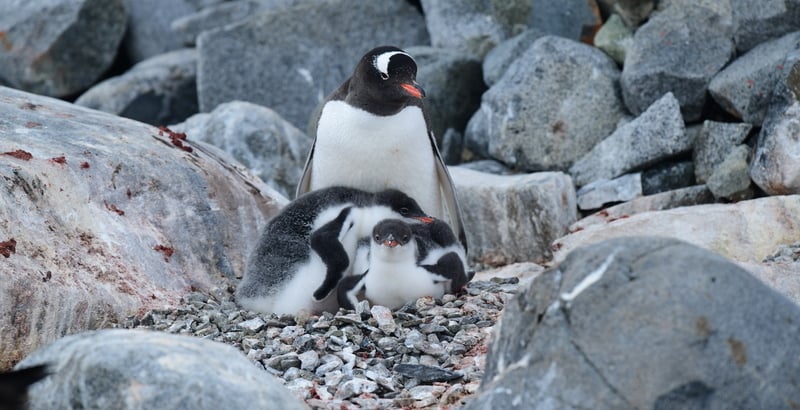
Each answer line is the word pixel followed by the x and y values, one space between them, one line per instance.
pixel 20 154
pixel 32 124
pixel 177 138
pixel 113 208
pixel 59 160
pixel 166 250
pixel 8 247
pixel 85 165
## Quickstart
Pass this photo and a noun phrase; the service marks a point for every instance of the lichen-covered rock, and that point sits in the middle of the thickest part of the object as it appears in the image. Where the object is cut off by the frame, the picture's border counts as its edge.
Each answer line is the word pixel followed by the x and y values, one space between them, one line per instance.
pixel 108 216
pixel 58 47
pixel 139 369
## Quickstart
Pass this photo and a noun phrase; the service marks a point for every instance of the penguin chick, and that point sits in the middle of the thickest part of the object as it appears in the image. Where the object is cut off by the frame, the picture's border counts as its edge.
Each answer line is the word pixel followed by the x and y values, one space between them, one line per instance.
pixel 376 117
pixel 407 261
pixel 306 248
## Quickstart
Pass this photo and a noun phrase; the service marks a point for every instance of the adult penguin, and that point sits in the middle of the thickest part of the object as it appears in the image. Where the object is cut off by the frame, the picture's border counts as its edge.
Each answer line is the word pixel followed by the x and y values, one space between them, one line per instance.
pixel 372 133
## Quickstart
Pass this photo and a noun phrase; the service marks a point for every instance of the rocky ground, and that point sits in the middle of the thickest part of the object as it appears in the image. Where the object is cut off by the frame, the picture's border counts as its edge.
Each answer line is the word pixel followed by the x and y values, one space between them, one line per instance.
pixel 427 354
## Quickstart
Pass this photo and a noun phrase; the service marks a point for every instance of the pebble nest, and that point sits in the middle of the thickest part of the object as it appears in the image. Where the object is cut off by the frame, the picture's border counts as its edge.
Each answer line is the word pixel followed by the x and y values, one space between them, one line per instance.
pixel 429 353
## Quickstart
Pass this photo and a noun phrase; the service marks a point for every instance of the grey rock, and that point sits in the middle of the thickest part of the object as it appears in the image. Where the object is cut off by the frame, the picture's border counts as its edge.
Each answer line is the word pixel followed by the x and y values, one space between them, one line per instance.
pixel 499 58
pixel 473 27
pixel 488 166
pixel 694 195
pixel 188 27
pixel 679 51
pixel 58 47
pixel 633 12
pixel 775 168
pixel 160 90
pixel 667 176
pixel 525 212
pixel 572 19
pixel 744 88
pixel 731 178
pixel 759 21
pixel 604 191
pixel 656 134
pixel 111 217
pixel 149 33
pixel 583 334
pixel 452 147
pixel 137 369
pixel 713 143
pixel 289 60
pixel 553 104
pixel 426 374
pixel 256 136
pixel 614 37
pixel 453 84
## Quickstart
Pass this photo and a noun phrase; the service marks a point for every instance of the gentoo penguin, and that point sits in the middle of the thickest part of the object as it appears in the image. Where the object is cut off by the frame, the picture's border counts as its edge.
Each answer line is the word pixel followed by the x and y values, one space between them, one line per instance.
pixel 14 386
pixel 407 261
pixel 376 117
pixel 309 245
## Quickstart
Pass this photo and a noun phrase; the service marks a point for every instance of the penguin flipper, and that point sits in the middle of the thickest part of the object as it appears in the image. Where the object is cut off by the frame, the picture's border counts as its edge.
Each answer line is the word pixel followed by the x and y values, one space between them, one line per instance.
pixel 449 267
pixel 348 289
pixel 448 194
pixel 325 242
pixel 305 181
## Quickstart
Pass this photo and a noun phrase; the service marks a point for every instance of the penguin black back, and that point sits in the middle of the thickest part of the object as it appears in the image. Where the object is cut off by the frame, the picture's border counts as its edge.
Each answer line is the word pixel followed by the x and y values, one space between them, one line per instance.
pixel 14 386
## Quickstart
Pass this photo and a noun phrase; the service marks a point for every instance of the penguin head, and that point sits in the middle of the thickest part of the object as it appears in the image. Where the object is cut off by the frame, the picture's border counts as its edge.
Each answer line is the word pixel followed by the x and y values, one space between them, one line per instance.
pixel 401 203
pixel 385 81
pixel 391 233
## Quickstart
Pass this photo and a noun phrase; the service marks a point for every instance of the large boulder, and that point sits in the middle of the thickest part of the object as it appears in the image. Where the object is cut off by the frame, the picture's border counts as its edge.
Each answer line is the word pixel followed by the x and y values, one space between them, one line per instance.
pixel 678 50
pixel 290 59
pixel 552 105
pixel 104 216
pixel 499 58
pixel 514 218
pixel 644 322
pixel 138 369
pixel 775 167
pixel 573 19
pixel 160 90
pixel 271 147
pixel 58 47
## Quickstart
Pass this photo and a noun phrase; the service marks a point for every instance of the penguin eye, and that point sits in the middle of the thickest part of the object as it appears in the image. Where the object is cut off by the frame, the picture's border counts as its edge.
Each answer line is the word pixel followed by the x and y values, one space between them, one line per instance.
pixel 377 238
pixel 403 211
pixel 384 76
pixel 405 238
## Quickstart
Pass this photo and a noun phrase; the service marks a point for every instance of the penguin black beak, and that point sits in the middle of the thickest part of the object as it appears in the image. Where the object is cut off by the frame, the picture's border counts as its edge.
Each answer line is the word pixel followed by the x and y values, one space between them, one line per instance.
pixel 413 89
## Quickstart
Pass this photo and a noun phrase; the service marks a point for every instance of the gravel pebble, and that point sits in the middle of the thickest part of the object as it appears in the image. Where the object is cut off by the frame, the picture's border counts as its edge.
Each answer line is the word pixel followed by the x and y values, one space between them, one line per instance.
pixel 427 354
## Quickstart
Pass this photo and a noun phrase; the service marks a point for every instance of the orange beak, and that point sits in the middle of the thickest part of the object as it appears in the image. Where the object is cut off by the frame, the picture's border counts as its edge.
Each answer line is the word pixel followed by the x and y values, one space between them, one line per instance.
pixel 413 89
pixel 424 219
pixel 390 243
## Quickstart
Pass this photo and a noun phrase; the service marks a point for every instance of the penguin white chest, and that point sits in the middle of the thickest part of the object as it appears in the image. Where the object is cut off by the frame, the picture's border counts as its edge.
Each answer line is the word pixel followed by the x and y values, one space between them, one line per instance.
pixel 361 150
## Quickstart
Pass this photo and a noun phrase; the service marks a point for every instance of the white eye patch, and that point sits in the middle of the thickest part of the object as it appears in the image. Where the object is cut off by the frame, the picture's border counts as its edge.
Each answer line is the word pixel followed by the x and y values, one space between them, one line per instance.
pixel 381 62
